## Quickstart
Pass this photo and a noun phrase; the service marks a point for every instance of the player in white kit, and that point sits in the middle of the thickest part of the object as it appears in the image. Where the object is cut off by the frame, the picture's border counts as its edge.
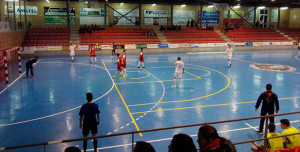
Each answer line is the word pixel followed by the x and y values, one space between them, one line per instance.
pixel 230 53
pixel 72 49
pixel 179 70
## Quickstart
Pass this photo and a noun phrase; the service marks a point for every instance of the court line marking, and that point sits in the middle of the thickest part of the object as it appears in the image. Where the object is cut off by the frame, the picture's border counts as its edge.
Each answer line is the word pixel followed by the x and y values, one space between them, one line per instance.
pixel 228 80
pixel 296 57
pixel 136 126
pixel 251 127
pixel 216 105
pixel 30 120
pixel 192 74
pixel 148 74
pixel 194 135
pixel 9 85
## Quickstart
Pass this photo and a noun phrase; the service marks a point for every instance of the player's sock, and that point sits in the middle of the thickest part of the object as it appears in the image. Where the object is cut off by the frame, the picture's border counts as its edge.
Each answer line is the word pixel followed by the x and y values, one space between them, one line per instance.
pixel 72 58
pixel 95 143
pixel 179 82
pixel 143 64
pixel 125 73
pixel 174 82
pixel 229 63
pixel 84 145
pixel 95 59
pixel 139 64
pixel 91 60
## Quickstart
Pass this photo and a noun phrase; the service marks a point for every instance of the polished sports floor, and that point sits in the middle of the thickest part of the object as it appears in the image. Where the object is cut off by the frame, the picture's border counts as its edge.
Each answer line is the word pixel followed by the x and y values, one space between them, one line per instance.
pixel 45 108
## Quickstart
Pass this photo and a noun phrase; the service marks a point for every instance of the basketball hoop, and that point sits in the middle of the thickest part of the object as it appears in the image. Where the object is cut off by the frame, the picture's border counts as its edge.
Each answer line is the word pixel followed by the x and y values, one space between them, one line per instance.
pixel 221 6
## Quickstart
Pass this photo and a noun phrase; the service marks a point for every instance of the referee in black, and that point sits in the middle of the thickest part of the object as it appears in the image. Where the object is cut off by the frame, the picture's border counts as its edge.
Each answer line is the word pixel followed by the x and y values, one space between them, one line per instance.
pixel 30 64
pixel 269 100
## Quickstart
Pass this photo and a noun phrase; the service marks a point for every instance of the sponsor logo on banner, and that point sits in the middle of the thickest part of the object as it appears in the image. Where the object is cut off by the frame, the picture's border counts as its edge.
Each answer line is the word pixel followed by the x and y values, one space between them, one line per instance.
pixel 184 45
pixel 54 48
pixel 30 10
pixel 194 45
pixel 266 43
pixel 4 26
pixel 162 45
pixel 209 17
pixel 133 46
pixel 287 43
pixel 106 46
pixel 256 44
pixel 173 45
pixel 248 44
pixel 155 13
pixel 83 47
pixel 212 44
pixel 91 11
pixel 239 44
pixel 152 46
pixel 220 44
pixel 58 11
pixel 203 45
pixel 121 12
pixel 138 46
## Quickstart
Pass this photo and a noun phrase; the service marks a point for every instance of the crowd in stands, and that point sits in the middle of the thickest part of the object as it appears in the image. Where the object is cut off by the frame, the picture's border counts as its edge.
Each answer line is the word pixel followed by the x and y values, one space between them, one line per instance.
pixel 170 28
pixel 149 33
pixel 89 29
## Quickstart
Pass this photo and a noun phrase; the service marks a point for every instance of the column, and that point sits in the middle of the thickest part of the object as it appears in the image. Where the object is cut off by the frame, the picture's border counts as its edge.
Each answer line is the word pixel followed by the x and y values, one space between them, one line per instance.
pixel 68 13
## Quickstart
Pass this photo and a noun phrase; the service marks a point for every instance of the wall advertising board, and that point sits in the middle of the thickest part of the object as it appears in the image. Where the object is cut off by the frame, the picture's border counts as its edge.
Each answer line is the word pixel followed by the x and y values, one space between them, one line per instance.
pixel 30 10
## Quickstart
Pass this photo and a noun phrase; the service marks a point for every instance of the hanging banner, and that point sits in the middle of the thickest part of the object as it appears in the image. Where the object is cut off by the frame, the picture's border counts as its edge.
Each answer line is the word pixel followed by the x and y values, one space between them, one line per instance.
pixel 155 13
pixel 139 46
pixel 133 13
pixel 162 45
pixel 250 16
pixel 133 17
pixel 124 21
pixel 274 16
pixel 181 17
pixel 58 20
pixel 163 21
pixel 58 11
pixel 4 26
pixel 92 12
pixel 209 17
pixel 152 46
pixel 233 14
pixel 148 21
pixel 30 10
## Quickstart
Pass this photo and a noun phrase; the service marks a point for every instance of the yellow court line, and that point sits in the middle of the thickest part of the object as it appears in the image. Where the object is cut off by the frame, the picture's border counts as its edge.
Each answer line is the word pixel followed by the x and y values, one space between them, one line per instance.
pixel 149 67
pixel 192 74
pixel 193 98
pixel 155 81
pixel 124 103
pixel 225 104
pixel 296 57
pixel 142 77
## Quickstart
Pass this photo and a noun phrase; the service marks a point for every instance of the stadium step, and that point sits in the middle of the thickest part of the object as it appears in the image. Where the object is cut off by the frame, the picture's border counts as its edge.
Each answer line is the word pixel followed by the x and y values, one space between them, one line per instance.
pixel 161 36
pixel 222 35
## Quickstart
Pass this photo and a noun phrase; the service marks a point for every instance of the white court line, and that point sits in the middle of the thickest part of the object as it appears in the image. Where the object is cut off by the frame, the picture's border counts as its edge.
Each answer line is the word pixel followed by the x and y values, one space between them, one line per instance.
pixel 59 112
pixel 194 135
pixel 251 127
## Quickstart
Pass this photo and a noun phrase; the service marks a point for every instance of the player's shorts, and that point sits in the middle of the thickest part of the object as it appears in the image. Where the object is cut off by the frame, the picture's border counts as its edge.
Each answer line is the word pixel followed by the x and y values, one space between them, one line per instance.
pixel 141 59
pixel 178 75
pixel 229 56
pixel 124 65
pixel 119 68
pixel 93 55
pixel 89 126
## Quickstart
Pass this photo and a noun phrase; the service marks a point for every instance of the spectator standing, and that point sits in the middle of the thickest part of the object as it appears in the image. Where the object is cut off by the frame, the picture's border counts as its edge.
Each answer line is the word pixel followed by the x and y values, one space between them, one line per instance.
pixel 90 116
pixel 81 30
pixel 192 23
pixel 142 146
pixel 182 143
pixel 293 140
pixel 210 141
pixel 72 149
pixel 113 51
pixel 274 143
pixel 188 23
pixel 30 64
pixel 269 99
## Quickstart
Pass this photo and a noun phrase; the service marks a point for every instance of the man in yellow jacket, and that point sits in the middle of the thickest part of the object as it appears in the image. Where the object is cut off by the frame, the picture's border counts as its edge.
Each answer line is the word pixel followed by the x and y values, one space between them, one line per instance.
pixel 293 140
pixel 273 144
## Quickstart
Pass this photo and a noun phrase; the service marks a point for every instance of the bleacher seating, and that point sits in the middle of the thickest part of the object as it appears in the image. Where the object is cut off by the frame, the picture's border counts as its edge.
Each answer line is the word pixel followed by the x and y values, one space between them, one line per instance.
pixel 292 32
pixel 294 149
pixel 120 36
pixel 192 35
pixel 48 36
pixel 255 35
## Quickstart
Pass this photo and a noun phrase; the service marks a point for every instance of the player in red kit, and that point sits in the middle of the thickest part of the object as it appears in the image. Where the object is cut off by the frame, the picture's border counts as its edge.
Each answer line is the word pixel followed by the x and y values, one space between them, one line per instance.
pixel 119 68
pixel 93 53
pixel 141 58
pixel 123 61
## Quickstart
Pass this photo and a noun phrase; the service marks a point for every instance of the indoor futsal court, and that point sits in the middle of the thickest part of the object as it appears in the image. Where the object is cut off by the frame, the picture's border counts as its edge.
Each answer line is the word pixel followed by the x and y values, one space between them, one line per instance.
pixel 45 108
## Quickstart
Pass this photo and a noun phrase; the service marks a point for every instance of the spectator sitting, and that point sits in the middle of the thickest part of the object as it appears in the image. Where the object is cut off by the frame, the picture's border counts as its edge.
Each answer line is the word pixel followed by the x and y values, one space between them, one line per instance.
pixel 210 141
pixel 29 25
pixel 72 149
pixel 89 30
pixel 142 146
pixel 85 27
pixel 162 28
pixel 182 143
pixel 293 140
pixel 81 30
pixel 237 27
pixel 179 28
pixel 96 28
pixel 274 144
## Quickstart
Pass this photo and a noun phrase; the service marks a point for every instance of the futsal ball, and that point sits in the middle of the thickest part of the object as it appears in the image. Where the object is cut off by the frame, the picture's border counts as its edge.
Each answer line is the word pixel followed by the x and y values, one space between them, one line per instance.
pixel 78 47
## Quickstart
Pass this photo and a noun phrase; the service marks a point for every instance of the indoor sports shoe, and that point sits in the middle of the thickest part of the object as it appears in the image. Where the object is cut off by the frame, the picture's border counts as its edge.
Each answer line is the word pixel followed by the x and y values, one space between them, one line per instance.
pixel 125 75
pixel 123 78
pixel 259 132
pixel 33 76
pixel 144 67
pixel 120 74
pixel 139 67
pixel 179 87
pixel 173 86
pixel 114 77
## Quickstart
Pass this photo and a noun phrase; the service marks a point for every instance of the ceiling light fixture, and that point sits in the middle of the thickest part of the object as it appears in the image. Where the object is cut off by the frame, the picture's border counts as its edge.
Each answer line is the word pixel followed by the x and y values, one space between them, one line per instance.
pixel 121 4
pixel 261 7
pixel 210 6
pixel 153 4
pixel 182 5
pixel 284 8
pixel 238 6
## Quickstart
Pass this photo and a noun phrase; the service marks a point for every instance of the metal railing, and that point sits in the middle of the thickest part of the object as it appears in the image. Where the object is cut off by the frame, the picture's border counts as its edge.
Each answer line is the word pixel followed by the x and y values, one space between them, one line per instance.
pixel 132 133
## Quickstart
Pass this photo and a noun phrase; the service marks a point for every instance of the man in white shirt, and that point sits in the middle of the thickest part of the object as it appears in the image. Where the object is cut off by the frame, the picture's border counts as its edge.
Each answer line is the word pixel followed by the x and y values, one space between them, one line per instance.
pixel 179 70
pixel 230 53
pixel 72 49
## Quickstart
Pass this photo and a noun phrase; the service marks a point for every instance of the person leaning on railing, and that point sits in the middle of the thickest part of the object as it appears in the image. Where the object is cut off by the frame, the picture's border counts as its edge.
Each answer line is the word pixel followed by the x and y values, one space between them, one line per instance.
pixel 182 143
pixel 293 140
pixel 272 144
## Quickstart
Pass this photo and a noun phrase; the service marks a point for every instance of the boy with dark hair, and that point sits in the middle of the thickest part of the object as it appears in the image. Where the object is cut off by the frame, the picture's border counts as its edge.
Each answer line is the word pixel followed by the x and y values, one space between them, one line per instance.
pixel 30 64
pixel 88 113
pixel 270 100
pixel 293 140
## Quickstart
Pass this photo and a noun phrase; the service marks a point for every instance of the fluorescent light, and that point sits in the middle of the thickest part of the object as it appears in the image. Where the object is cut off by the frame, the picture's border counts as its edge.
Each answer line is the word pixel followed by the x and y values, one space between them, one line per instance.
pixel 238 6
pixel 121 3
pixel 11 0
pixel 86 2
pixel 261 7
pixel 210 6
pixel 47 1
pixel 182 5
pixel 153 4
pixel 284 8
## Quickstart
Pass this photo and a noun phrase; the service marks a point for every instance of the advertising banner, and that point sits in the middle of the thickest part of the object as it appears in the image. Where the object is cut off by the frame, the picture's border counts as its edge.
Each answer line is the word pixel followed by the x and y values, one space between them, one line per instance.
pixel 250 15
pixel 239 44
pixel 203 45
pixel 54 48
pixel 155 13
pixel 287 43
pixel 148 21
pixel 58 11
pixel 274 16
pixel 133 46
pixel 4 26
pixel 266 43
pixel 173 45
pixel 92 12
pixel 209 17
pixel 110 47
pixel 138 46
pixel 195 45
pixel 133 13
pixel 152 46
pixel 233 14
pixel 58 20
pixel 30 10
pixel 181 17
pixel 248 44
pixel 256 44
pixel 163 21
pixel 82 47
pixel 184 45
pixel 162 45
